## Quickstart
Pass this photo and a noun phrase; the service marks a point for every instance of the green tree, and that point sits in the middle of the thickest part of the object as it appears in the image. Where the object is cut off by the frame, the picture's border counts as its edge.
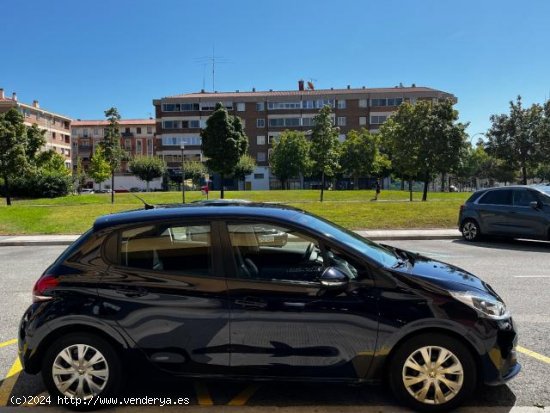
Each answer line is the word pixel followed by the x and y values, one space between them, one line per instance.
pixel 194 170
pixel 245 166
pixel 79 176
pixel 361 155
pixel 325 147
pixel 35 141
pixel 424 139
pixel 290 156
pixel 51 161
pixel 223 142
pixel 516 137
pixel 13 160
pixel 147 168
pixel 99 169
pixel 111 145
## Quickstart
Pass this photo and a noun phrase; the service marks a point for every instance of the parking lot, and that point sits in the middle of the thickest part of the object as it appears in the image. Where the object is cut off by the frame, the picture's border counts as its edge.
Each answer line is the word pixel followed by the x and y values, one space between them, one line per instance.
pixel 518 270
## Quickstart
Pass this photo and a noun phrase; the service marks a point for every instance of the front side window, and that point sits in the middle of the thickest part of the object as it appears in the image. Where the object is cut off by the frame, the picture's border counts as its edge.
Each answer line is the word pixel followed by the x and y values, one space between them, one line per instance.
pixel 172 248
pixel 269 252
pixel 524 197
pixel 497 197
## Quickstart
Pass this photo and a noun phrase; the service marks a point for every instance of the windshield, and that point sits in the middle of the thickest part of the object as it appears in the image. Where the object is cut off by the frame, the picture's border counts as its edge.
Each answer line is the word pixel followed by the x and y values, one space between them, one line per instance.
pixel 374 251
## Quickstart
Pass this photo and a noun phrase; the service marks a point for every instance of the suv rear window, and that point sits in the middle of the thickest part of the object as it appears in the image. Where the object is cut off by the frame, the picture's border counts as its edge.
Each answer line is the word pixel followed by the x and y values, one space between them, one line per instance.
pixel 497 197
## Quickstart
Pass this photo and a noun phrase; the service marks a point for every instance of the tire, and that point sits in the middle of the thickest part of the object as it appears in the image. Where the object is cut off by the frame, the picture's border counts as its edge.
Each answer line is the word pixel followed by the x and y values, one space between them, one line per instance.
pixel 470 230
pixel 100 378
pixel 454 388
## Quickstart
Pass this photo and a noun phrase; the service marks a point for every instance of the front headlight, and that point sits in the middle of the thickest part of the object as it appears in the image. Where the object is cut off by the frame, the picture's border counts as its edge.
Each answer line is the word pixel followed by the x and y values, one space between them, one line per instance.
pixel 486 305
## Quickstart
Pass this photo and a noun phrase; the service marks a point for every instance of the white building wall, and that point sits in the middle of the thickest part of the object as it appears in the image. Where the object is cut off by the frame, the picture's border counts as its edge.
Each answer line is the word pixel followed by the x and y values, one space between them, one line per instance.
pixel 259 184
pixel 125 182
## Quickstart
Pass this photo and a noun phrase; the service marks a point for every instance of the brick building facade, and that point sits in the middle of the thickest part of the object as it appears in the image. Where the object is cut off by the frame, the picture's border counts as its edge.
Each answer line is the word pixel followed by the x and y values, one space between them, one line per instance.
pixel 266 114
pixel 57 127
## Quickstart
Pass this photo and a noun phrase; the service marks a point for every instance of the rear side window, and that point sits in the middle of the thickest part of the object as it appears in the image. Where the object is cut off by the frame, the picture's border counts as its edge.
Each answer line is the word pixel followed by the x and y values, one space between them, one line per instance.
pixel 497 197
pixel 180 248
pixel 475 196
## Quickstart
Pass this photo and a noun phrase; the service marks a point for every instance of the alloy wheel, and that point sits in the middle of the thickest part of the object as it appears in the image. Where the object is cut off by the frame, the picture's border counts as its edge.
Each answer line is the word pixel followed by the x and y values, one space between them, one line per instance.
pixel 469 230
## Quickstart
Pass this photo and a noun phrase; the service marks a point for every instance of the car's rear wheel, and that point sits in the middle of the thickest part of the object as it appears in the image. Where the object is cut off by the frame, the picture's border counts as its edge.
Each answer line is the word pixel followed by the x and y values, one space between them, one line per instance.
pixel 470 230
pixel 433 372
pixel 81 366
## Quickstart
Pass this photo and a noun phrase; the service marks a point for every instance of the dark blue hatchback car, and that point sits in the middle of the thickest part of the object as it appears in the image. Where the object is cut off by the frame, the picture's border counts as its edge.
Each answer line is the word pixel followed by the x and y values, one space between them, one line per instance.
pixel 260 292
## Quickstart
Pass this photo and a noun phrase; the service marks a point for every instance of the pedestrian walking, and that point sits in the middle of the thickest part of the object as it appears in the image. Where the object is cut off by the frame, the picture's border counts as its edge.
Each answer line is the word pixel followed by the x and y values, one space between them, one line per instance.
pixel 377 188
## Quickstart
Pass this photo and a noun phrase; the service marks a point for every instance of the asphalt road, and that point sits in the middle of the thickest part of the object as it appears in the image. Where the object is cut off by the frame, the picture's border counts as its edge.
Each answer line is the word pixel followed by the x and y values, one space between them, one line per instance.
pixel 518 270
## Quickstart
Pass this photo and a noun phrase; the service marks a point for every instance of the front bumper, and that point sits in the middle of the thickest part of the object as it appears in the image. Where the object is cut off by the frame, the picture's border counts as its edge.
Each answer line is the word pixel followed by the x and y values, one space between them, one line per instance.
pixel 500 361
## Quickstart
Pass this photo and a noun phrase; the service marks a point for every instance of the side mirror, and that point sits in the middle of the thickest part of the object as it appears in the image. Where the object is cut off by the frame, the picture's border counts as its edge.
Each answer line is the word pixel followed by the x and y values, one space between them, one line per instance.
pixel 333 277
pixel 535 204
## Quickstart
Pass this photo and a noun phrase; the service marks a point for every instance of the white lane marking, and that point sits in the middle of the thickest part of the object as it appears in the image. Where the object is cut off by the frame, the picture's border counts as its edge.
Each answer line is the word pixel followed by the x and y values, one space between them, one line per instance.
pixel 531 276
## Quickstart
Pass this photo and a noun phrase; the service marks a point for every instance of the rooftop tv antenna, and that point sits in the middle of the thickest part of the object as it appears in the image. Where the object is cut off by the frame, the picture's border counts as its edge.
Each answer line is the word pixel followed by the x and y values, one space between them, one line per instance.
pixel 212 60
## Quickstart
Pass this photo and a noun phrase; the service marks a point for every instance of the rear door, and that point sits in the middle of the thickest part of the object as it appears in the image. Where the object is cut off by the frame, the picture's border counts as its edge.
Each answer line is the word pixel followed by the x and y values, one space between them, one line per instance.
pixel 494 209
pixel 166 289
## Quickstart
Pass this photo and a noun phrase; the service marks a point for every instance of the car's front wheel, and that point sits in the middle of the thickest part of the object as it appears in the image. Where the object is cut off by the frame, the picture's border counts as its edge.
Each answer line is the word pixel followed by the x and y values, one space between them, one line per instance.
pixel 433 372
pixel 81 366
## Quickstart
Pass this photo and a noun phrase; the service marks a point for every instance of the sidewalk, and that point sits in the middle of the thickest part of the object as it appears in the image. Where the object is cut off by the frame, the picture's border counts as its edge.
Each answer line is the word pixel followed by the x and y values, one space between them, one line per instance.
pixel 396 234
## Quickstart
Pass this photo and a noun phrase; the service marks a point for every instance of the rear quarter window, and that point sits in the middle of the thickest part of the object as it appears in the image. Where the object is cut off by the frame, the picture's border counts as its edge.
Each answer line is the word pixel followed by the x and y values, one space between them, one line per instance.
pixel 475 196
pixel 497 197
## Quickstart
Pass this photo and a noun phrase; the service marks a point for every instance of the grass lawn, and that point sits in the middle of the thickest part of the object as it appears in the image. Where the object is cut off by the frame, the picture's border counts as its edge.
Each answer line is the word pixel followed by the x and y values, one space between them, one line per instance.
pixel 74 214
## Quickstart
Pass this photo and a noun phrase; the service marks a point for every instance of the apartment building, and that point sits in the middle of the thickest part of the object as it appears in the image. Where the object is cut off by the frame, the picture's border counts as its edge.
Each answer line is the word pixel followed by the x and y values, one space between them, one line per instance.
pixel 266 114
pixel 57 127
pixel 136 138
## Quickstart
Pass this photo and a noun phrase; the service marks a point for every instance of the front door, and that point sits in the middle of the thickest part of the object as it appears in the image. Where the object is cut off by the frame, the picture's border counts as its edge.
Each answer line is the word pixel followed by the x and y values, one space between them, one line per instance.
pixel 283 322
pixel 167 291
pixel 530 222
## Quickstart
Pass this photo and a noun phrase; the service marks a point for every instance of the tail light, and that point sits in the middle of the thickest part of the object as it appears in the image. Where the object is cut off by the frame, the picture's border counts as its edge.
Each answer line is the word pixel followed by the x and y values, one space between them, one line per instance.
pixel 45 283
pixel 461 208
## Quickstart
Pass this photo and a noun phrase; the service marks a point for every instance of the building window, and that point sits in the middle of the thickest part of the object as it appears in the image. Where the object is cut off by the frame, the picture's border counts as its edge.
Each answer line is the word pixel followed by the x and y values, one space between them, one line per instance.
pixel 240 107
pixel 341 104
pixel 395 102
pixel 377 120
pixel 85 132
pixel 284 122
pixel 341 121
pixel 260 106
pixel 128 144
pixel 194 124
pixel 362 103
pixel 260 123
pixel 96 131
pixel 308 122
pixel 258 176
pixel 260 157
pixel 139 147
pixel 149 130
pixel 260 140
pixel 138 130
pixel 127 130
pixel 362 120
pixel 284 105
pixel 149 146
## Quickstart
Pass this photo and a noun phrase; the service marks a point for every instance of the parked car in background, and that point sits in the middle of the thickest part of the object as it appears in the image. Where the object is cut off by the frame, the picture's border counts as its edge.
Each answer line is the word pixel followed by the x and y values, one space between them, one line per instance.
pixel 510 211
pixel 86 191
pixel 241 290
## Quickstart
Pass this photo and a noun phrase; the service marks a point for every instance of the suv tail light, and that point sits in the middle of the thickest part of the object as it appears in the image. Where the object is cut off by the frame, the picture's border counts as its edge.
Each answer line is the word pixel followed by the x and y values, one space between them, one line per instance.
pixel 462 207
pixel 45 283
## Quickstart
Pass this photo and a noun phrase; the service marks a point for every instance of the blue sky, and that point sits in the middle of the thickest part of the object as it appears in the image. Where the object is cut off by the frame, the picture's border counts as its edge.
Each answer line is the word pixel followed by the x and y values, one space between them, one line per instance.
pixel 81 57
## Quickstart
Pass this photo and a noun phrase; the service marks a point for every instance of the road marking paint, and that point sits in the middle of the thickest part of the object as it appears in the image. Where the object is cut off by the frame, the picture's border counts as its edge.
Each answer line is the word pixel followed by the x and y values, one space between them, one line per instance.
pixel 9 382
pixel 202 395
pixel 243 397
pixel 531 276
pixel 533 354
pixel 8 343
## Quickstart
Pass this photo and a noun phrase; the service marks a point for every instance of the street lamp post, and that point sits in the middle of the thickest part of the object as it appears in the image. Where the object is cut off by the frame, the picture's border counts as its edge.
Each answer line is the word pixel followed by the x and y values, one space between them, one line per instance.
pixel 182 173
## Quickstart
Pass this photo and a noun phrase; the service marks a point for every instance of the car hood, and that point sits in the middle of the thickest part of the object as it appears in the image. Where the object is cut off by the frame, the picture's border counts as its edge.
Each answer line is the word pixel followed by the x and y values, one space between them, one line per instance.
pixel 439 273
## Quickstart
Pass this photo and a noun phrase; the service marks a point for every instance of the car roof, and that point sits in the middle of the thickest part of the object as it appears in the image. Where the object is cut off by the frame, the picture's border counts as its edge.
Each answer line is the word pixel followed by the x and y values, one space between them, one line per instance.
pixel 210 209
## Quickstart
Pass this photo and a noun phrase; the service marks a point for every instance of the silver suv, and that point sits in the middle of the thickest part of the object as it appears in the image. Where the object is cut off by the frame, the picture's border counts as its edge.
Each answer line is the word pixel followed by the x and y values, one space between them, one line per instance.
pixel 511 211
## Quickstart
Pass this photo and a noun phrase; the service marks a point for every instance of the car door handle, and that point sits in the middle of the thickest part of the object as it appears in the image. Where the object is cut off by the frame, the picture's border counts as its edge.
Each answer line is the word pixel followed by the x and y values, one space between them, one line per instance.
pixel 294 305
pixel 251 303
pixel 132 292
